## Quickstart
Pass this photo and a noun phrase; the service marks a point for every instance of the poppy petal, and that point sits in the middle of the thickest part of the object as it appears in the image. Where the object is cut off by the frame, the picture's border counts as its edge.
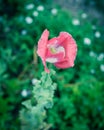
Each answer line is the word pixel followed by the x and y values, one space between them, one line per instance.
pixel 42 47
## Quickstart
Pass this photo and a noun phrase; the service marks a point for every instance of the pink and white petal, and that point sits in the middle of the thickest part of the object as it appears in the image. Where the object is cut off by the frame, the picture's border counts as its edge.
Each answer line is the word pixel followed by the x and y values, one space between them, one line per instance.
pixel 70 47
pixel 42 48
pixel 62 37
pixel 51 59
pixel 64 64
pixel 55 57
pixel 42 44
pixel 52 41
pixel 60 52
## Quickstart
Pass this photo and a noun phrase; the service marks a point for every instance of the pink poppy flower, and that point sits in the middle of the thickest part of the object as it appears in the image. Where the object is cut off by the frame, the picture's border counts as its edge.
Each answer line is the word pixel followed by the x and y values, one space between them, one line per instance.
pixel 61 50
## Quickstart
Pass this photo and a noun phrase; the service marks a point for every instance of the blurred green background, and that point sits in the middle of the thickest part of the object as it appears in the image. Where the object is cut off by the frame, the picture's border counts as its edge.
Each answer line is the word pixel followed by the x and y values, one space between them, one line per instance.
pixel 79 99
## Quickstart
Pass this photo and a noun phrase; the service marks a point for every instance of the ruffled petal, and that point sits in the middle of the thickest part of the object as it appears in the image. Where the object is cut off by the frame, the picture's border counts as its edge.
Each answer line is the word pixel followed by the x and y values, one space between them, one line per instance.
pixel 63 64
pixel 57 57
pixel 52 41
pixel 42 47
pixel 69 44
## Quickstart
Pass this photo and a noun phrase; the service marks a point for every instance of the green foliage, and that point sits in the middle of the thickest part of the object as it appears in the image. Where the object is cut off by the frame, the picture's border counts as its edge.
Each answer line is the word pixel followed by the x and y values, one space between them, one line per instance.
pixel 34 113
pixel 79 106
pixel 20 30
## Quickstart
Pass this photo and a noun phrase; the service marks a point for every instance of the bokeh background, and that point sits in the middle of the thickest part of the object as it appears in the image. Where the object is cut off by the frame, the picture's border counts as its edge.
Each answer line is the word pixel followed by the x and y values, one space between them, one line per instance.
pixel 79 98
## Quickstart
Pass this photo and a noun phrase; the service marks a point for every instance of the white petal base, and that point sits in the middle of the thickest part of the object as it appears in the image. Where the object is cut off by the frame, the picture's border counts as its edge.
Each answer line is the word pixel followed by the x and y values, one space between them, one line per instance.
pixel 51 60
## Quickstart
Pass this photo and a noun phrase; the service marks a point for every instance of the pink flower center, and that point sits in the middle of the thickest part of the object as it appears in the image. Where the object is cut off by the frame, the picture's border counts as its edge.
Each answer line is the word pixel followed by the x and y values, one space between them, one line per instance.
pixel 56 53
